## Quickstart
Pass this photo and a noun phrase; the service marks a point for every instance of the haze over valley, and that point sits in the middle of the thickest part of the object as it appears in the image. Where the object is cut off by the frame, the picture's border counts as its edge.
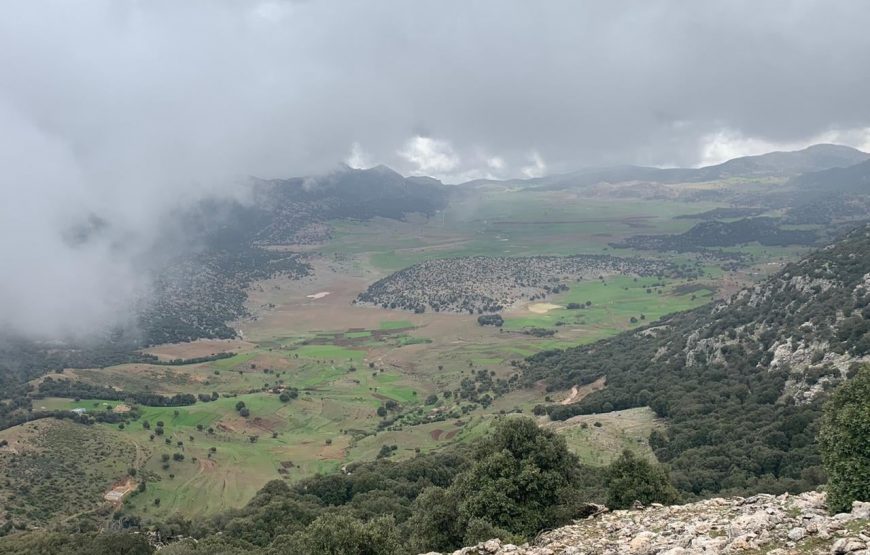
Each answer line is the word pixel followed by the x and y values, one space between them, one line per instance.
pixel 389 278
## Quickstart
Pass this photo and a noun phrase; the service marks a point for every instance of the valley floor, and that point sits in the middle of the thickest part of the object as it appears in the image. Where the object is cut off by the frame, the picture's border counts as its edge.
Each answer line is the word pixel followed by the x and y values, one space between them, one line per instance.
pixel 374 382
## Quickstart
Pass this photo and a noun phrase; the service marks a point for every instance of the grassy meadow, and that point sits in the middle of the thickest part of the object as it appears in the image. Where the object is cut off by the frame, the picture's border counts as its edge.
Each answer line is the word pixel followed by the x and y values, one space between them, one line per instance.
pixel 348 362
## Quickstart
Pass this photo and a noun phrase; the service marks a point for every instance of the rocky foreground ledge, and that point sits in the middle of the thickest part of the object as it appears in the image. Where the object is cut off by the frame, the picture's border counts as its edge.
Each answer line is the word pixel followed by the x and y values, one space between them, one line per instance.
pixel 757 525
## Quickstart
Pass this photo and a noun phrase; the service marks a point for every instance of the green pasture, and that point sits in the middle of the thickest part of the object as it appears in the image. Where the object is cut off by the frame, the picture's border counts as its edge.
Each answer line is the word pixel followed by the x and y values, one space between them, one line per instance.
pixel 616 432
pixel 328 352
pixel 513 223
pixel 614 301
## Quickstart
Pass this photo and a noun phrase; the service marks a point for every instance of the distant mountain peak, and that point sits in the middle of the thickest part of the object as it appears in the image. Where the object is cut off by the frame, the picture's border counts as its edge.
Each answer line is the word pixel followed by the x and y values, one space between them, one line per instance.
pixel 832 147
pixel 780 164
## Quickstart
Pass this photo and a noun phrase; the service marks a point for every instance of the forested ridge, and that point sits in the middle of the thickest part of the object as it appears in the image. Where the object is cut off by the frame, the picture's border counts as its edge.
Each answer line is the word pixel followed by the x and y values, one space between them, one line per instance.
pixel 740 382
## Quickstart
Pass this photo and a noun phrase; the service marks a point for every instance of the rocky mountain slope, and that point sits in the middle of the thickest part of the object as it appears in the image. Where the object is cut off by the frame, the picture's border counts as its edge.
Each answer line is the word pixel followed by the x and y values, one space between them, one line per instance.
pixel 740 382
pixel 761 524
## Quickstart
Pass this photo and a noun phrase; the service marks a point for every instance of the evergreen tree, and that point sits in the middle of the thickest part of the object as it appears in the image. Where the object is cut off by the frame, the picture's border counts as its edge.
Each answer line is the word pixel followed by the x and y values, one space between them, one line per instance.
pixel 844 443
pixel 630 479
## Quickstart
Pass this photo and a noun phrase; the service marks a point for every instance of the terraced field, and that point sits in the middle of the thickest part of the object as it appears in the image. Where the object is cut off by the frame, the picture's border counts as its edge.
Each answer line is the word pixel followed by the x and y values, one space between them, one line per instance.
pixel 373 381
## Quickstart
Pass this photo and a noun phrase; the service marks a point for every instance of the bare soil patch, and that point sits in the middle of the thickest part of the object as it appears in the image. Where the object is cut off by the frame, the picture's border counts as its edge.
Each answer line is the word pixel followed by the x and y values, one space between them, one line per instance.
pixel 254 425
pixel 543 308
pixel 117 493
pixel 207 465
pixel 198 348
pixel 579 392
pixel 436 247
pixel 337 451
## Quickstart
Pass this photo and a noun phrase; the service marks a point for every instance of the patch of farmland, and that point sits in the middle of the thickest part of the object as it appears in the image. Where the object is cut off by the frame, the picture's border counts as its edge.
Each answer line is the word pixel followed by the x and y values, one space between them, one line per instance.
pixel 483 284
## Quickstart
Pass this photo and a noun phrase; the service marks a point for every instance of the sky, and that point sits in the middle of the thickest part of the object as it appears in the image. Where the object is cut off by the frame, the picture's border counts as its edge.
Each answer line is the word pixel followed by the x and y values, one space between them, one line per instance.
pixel 127 109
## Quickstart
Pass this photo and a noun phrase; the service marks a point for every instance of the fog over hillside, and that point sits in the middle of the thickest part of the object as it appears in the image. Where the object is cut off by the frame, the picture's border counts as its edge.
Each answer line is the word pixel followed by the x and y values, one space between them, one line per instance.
pixel 114 114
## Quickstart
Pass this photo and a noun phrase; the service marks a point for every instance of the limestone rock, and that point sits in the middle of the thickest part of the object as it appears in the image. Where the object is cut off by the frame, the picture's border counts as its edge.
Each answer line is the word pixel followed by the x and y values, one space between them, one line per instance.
pixel 847 545
pixel 776 525
pixel 860 509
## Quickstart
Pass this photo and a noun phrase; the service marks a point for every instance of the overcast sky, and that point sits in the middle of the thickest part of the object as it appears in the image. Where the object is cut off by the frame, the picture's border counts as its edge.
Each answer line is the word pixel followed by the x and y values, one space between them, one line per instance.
pixel 128 107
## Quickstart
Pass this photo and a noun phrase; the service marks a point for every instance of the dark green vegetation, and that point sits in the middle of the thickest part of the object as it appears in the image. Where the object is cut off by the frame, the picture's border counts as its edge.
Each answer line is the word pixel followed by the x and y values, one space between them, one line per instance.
pixel 828 196
pixel 18 409
pixel 711 234
pixel 195 297
pixel 844 443
pixel 50 387
pixel 296 207
pixel 521 479
pixel 91 543
pixel 630 479
pixel 512 484
pixel 23 359
pixel 742 409
pixel 60 473
pixel 847 179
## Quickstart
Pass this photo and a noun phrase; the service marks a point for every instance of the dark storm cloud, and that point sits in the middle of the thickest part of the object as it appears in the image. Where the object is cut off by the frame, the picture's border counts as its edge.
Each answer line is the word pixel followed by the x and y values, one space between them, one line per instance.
pixel 126 109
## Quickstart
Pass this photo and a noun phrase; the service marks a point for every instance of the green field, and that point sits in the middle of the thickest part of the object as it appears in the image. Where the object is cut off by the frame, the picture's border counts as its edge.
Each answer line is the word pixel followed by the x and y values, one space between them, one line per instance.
pixel 610 304
pixel 328 352
pixel 598 439
pixel 513 223
pixel 348 362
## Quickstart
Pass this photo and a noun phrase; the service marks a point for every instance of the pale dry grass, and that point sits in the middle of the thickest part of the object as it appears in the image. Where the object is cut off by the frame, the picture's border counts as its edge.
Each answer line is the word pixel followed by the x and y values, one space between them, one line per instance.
pixel 198 348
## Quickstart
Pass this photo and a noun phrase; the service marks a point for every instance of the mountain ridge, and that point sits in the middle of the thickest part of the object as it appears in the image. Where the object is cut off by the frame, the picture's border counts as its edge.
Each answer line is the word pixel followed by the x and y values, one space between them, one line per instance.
pixel 817 157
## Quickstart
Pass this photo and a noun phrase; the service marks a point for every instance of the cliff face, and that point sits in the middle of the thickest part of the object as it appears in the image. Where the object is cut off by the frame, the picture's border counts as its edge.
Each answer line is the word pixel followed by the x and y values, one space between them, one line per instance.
pixel 761 524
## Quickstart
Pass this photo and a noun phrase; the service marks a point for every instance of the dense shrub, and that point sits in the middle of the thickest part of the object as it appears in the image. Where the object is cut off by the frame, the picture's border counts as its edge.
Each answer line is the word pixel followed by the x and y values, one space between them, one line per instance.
pixel 41 543
pixel 631 479
pixel 522 479
pixel 844 440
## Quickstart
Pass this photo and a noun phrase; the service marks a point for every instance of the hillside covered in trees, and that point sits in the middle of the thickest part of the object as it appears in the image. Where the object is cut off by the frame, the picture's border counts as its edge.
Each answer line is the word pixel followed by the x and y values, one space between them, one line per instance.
pixel 218 247
pixel 740 382
pixel 710 234
pixel 197 293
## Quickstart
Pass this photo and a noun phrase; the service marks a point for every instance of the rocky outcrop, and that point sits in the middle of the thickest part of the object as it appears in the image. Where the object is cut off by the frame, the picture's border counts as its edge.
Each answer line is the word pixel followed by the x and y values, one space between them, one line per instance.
pixel 761 524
